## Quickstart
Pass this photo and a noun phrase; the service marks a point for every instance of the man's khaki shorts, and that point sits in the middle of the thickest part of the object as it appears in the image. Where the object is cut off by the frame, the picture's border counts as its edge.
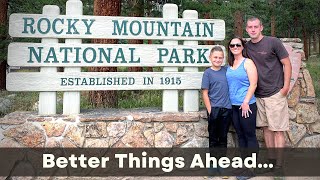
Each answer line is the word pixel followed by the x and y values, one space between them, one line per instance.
pixel 273 112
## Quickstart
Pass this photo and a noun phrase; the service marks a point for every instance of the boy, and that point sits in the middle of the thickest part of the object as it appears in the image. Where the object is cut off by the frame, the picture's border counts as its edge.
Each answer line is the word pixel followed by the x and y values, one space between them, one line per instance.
pixel 216 99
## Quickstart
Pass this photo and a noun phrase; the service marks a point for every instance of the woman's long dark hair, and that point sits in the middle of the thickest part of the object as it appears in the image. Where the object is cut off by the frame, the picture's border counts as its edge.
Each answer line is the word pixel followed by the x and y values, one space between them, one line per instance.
pixel 231 56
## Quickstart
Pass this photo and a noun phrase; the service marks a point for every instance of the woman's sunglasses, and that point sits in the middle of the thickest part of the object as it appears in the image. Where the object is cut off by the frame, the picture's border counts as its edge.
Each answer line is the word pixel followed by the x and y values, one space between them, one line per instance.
pixel 234 45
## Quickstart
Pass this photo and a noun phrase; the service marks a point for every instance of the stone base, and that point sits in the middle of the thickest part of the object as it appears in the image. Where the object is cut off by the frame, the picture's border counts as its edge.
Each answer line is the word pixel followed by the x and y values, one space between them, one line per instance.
pixel 106 128
pixel 120 128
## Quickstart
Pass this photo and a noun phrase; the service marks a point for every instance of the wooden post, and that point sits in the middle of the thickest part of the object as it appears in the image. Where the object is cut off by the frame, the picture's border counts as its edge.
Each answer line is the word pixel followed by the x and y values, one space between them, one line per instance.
pixel 190 97
pixel 71 100
pixel 170 98
pixel 48 100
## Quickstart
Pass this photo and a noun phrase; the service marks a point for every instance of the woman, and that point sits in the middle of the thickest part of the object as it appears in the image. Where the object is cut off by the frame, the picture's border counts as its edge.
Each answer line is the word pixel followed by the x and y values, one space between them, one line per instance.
pixel 242 81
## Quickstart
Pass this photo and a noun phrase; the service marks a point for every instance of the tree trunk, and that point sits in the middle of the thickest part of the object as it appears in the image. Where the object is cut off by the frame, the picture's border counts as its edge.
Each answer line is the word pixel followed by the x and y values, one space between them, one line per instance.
pixel 319 43
pixel 305 42
pixel 3 36
pixel 149 69
pixel 295 26
pixel 105 98
pixel 137 10
pixel 3 11
pixel 273 19
pixel 310 42
pixel 208 15
pixel 315 43
pixel 3 73
pixel 148 6
pixel 238 23
pixel 273 25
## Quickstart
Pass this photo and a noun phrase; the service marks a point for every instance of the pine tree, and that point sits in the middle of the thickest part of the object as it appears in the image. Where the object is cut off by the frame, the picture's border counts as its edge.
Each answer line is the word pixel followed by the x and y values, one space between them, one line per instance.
pixel 105 98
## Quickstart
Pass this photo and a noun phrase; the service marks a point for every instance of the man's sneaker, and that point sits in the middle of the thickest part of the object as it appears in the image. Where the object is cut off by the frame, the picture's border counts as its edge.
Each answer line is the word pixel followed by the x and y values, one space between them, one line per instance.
pixel 243 177
pixel 279 178
pixel 213 171
pixel 278 171
pixel 246 174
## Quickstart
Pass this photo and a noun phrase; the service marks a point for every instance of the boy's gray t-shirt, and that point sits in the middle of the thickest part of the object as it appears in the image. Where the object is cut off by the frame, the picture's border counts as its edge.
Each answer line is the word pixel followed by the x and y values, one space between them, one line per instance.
pixel 217 85
pixel 266 54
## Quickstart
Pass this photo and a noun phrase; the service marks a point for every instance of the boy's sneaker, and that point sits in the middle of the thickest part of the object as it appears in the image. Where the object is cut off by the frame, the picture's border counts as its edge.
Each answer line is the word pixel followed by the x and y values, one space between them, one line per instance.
pixel 263 170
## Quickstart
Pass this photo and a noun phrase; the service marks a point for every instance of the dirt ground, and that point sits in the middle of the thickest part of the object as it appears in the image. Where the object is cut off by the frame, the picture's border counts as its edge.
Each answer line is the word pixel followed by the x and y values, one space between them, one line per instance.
pixel 186 178
pixel 156 178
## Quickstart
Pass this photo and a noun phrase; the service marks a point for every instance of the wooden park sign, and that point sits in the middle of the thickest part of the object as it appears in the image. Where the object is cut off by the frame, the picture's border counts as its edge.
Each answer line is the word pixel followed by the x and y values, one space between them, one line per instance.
pixel 102 81
pixel 84 55
pixel 55 55
pixel 49 54
pixel 114 27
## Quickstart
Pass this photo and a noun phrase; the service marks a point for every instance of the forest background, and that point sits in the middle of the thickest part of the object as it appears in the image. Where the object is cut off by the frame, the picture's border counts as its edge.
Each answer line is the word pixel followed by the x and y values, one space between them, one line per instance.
pixel 281 18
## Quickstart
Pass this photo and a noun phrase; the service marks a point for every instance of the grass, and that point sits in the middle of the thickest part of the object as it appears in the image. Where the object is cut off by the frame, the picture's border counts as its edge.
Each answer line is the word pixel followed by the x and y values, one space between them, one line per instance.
pixel 313 65
pixel 135 99
pixel 25 101
pixel 129 99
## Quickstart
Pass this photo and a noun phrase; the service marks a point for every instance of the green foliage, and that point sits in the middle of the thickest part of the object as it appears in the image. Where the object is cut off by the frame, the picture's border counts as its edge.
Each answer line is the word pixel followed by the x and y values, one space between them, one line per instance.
pixel 313 65
pixel 35 7
pixel 306 13
pixel 23 101
pixel 293 15
pixel 221 9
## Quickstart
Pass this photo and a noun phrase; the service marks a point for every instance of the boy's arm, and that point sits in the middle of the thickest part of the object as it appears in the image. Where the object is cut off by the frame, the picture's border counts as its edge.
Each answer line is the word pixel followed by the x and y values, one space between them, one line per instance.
pixel 206 99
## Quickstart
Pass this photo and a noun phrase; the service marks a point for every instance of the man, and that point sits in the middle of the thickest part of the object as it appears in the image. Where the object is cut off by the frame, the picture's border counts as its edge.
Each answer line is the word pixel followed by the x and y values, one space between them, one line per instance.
pixel 274 73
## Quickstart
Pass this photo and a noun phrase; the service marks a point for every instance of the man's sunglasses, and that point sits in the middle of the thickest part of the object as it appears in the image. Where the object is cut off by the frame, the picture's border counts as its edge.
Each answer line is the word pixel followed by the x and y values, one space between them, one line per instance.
pixel 234 45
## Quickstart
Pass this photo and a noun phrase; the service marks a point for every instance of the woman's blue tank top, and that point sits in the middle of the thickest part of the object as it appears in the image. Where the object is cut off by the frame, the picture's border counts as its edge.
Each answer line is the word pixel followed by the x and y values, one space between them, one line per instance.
pixel 238 83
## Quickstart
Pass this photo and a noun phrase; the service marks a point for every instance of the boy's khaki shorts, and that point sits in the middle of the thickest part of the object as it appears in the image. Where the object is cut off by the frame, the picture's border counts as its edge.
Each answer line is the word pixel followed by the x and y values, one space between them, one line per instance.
pixel 273 112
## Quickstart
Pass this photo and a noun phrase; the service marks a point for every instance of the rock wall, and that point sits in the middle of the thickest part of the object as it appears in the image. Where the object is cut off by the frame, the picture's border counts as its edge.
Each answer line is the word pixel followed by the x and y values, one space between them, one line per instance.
pixel 109 128
pixel 304 117
pixel 153 128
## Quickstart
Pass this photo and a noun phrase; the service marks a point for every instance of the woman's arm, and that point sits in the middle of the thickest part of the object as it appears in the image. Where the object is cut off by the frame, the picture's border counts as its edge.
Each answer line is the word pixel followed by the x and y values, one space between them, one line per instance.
pixel 251 70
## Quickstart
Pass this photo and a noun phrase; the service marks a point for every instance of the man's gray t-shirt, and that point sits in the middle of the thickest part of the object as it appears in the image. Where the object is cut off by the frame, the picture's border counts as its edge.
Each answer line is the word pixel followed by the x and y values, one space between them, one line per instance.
pixel 217 85
pixel 266 55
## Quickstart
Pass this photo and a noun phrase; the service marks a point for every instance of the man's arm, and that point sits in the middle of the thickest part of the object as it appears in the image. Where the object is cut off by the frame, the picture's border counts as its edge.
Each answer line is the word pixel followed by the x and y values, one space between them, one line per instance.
pixel 287 70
